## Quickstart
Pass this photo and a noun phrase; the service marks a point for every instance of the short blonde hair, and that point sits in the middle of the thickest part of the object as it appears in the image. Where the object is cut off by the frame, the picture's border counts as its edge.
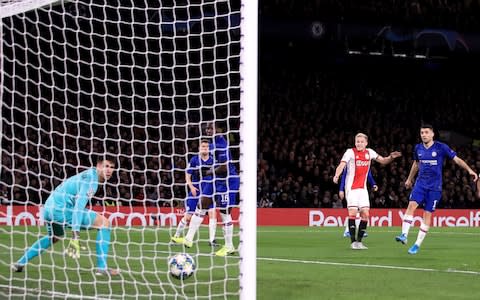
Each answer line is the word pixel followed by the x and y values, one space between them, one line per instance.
pixel 361 135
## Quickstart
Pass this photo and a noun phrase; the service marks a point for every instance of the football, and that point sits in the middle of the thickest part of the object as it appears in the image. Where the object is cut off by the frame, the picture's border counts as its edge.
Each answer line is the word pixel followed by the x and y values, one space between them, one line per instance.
pixel 181 266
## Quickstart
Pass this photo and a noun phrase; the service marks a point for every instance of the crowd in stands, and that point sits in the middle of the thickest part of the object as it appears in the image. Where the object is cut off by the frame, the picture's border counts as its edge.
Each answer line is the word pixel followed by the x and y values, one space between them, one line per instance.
pixel 307 119
pixel 460 15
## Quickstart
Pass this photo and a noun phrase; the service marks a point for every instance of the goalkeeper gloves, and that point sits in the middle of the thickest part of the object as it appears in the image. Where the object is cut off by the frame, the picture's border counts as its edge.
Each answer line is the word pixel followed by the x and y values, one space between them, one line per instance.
pixel 73 249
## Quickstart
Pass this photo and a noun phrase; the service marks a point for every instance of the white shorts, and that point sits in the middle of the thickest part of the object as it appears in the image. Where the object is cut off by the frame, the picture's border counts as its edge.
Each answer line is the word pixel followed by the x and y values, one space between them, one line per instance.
pixel 358 198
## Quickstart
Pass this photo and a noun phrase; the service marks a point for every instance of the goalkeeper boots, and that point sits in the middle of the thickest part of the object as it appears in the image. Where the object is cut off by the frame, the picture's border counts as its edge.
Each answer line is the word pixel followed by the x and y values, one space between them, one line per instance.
pixel 107 272
pixel 224 251
pixel 17 268
pixel 401 238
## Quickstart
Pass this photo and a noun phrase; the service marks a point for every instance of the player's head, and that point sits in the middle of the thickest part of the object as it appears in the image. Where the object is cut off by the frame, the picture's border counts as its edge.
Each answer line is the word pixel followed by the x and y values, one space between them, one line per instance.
pixel 210 129
pixel 105 167
pixel 426 133
pixel 204 147
pixel 361 141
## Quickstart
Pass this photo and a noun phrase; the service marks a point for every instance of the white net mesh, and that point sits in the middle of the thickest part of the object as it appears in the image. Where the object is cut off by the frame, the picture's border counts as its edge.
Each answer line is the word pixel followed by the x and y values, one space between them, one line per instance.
pixel 138 79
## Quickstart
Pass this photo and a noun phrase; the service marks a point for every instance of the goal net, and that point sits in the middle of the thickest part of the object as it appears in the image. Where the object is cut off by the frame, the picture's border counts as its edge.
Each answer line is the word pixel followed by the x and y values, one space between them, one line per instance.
pixel 140 80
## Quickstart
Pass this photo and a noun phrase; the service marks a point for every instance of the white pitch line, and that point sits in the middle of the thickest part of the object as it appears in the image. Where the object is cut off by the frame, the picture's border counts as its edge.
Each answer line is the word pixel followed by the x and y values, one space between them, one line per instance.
pixel 366 265
pixel 373 232
pixel 52 293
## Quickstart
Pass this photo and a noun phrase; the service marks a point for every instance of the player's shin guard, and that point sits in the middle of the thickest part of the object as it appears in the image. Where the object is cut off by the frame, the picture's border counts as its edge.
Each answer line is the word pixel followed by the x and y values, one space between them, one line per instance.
pixel 195 222
pixel 352 228
pixel 102 246
pixel 36 249
pixel 421 234
pixel 212 228
pixel 228 230
pixel 406 224
pixel 361 230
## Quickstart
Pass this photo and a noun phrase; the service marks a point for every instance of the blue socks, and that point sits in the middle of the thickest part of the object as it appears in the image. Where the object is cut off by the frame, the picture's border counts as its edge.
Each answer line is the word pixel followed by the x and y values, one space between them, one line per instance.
pixel 36 249
pixel 102 245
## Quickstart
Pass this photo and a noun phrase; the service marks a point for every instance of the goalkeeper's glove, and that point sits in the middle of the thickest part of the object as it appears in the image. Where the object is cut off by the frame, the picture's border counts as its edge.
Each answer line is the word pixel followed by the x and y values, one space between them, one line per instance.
pixel 73 249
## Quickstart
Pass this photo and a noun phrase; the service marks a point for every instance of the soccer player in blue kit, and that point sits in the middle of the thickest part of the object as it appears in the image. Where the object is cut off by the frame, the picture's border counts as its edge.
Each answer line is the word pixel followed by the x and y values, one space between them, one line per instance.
pixel 428 158
pixel 66 207
pixel 200 185
pixel 227 184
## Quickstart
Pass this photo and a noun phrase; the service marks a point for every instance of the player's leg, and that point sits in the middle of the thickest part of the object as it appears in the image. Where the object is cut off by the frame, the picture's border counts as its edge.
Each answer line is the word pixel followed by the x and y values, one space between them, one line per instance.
pixel 433 198
pixel 196 220
pixel 205 202
pixel 226 202
pixel 228 199
pixel 212 226
pixel 364 203
pixel 190 206
pixel 55 231
pixel 346 232
pixel 416 197
pixel 102 244
pixel 353 207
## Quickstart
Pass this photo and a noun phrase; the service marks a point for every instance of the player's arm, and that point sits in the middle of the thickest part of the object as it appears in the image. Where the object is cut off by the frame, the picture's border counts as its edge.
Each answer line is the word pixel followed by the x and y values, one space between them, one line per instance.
pixel 339 170
pixel 389 158
pixel 78 210
pixel 341 189
pixel 188 177
pixel 371 180
pixel 73 249
pixel 460 162
pixel 411 175
pixel 478 188
pixel 222 160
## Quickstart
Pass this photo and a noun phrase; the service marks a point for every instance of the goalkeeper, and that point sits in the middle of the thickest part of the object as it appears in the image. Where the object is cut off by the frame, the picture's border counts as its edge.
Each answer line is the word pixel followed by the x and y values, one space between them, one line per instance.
pixel 66 206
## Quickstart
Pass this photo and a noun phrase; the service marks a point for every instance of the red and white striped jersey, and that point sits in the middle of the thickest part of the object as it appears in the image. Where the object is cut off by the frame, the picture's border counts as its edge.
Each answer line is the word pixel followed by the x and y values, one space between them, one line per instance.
pixel 358 164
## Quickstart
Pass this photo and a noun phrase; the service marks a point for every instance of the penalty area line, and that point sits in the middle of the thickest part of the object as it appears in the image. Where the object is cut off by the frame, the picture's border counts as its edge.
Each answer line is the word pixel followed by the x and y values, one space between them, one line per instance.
pixel 329 263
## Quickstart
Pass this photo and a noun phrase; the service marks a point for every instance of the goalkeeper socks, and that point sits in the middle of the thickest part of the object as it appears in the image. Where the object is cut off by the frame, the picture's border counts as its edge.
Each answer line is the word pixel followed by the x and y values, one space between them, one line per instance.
pixel 195 222
pixel 36 249
pixel 352 228
pixel 228 230
pixel 212 228
pixel 361 230
pixel 421 234
pixel 407 222
pixel 180 227
pixel 102 245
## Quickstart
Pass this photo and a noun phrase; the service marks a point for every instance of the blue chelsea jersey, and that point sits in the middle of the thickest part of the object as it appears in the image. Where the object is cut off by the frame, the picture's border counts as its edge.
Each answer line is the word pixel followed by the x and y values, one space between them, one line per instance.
pixel 430 164
pixel 221 153
pixel 195 167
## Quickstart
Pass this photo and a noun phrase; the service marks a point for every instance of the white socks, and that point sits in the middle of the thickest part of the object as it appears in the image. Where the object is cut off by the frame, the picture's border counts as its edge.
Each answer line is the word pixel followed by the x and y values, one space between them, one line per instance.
pixel 228 230
pixel 195 222
pixel 180 227
pixel 422 233
pixel 212 228
pixel 406 224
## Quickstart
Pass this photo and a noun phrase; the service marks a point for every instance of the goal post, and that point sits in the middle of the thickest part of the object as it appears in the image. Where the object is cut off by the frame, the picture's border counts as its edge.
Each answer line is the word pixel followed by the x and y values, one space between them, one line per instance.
pixel 140 80
pixel 248 161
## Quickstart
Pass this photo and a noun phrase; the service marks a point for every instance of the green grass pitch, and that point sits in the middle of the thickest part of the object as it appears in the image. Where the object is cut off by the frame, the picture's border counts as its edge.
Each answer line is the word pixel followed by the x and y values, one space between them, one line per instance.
pixel 292 263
